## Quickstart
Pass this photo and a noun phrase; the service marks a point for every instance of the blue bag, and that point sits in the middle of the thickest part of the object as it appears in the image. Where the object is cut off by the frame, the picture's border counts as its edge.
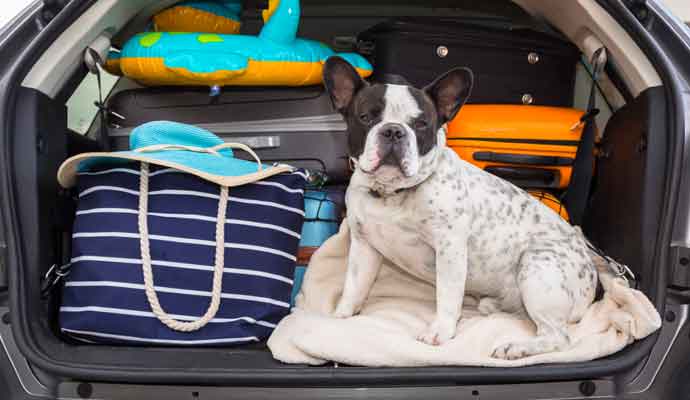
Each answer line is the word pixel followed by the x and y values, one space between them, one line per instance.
pixel 151 264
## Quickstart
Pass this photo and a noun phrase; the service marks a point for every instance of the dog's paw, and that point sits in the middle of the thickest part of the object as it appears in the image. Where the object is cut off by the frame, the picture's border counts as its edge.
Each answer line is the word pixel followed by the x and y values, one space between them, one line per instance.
pixel 511 351
pixel 344 309
pixel 438 333
pixel 429 337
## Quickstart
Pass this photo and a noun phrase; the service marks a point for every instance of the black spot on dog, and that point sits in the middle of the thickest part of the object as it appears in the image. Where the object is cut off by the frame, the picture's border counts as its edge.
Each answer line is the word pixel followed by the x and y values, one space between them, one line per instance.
pixel 359 228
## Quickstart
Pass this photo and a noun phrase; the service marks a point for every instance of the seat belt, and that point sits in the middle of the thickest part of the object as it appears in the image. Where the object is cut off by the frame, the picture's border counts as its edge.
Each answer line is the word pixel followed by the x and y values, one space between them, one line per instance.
pixel 578 191
pixel 94 58
pixel 95 68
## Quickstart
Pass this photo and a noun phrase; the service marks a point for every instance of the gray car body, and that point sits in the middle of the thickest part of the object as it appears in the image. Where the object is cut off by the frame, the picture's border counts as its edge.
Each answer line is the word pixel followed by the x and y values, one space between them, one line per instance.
pixel 665 373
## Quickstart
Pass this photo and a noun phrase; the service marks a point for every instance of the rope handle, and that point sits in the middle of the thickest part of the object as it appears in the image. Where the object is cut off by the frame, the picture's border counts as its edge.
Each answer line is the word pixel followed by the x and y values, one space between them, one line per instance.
pixel 149 287
pixel 209 150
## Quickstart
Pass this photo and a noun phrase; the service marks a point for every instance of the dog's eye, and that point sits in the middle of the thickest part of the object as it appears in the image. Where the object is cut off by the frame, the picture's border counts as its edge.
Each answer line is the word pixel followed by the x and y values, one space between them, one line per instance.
pixel 369 117
pixel 420 124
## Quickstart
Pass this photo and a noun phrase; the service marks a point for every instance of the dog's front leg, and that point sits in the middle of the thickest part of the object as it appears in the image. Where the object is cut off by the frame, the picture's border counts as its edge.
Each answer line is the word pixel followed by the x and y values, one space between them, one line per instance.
pixel 364 263
pixel 451 274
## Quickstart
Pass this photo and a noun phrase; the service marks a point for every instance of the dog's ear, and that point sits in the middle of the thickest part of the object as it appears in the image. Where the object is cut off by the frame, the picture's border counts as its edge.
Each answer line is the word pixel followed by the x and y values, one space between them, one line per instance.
pixel 450 91
pixel 342 82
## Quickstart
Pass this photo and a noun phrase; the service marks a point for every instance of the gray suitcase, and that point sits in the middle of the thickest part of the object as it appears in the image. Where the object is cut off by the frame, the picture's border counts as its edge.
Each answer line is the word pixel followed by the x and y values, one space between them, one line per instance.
pixel 297 126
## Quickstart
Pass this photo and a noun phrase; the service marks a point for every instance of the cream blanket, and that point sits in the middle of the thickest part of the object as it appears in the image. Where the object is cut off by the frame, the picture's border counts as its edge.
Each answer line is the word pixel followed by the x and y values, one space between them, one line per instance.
pixel 400 306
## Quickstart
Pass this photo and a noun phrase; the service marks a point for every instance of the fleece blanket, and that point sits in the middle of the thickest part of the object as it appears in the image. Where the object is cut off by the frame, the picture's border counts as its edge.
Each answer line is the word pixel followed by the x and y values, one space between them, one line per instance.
pixel 400 306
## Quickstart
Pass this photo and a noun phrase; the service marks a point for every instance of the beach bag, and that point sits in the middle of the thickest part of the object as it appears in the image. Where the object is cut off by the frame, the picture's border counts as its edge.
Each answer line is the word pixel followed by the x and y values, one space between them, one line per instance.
pixel 177 242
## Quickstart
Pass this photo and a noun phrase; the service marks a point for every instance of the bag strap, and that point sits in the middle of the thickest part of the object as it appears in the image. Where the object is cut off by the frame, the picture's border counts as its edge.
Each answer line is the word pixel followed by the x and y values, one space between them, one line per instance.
pixel 210 150
pixel 151 295
pixel 583 167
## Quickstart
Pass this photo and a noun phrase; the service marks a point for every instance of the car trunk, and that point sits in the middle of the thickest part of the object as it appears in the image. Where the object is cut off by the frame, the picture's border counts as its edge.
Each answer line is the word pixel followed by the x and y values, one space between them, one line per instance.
pixel 623 218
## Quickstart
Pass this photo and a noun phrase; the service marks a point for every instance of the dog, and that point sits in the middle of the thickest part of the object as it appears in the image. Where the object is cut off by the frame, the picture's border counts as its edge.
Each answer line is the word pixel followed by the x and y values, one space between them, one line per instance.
pixel 413 201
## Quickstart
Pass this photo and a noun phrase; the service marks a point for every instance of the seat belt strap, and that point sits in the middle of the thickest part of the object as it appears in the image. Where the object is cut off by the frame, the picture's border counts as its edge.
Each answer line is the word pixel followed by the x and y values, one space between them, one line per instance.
pixel 94 58
pixel 577 195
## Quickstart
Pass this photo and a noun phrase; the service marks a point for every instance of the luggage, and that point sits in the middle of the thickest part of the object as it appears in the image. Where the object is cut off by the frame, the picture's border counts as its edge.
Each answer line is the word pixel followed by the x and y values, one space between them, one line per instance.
pixel 530 146
pixel 296 126
pixel 552 202
pixel 190 246
pixel 324 211
pixel 511 66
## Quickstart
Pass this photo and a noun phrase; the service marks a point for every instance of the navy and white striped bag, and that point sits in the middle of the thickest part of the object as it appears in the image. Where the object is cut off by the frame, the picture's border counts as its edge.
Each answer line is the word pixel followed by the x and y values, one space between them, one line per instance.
pixel 105 297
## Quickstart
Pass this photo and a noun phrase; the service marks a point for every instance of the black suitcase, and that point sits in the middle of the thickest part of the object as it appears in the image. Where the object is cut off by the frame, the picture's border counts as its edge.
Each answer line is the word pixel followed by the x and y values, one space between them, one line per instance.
pixel 510 65
pixel 297 126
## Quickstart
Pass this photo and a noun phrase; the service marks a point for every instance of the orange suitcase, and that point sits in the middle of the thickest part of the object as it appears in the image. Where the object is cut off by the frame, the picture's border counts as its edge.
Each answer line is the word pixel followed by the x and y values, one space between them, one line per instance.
pixel 552 202
pixel 531 146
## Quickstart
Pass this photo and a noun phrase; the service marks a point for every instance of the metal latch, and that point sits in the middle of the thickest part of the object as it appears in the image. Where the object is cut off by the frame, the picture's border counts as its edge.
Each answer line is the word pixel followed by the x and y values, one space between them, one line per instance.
pixel 680 270
pixel 53 277
pixel 619 269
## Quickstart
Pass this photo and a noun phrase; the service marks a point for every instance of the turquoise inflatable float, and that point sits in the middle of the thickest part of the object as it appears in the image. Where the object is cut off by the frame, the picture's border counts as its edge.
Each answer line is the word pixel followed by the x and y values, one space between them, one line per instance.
pixel 210 16
pixel 275 57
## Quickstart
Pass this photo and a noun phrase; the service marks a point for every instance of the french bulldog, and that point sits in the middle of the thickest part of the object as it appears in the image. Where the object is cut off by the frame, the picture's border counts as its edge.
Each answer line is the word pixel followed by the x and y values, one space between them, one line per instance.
pixel 414 202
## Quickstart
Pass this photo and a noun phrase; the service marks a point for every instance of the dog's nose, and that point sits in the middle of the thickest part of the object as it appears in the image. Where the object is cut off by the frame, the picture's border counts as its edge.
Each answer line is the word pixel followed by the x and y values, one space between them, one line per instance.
pixel 392 132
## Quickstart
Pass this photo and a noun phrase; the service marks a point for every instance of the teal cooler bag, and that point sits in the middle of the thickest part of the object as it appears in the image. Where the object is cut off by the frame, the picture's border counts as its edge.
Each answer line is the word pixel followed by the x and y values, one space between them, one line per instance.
pixel 324 208
pixel 176 242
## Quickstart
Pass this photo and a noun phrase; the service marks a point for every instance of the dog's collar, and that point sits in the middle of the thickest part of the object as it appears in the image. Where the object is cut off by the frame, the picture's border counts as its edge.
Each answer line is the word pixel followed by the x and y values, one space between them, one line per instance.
pixel 378 195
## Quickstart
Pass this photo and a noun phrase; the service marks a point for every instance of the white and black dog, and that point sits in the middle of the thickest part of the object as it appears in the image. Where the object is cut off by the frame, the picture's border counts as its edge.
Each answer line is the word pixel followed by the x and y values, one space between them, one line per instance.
pixel 413 201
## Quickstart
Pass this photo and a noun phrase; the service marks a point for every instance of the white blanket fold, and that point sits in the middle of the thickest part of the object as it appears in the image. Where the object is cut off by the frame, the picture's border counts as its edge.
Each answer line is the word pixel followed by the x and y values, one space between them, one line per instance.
pixel 400 306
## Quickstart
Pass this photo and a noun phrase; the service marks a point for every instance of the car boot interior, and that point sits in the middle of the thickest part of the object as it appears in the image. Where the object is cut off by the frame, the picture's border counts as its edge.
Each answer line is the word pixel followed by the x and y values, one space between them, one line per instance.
pixel 625 216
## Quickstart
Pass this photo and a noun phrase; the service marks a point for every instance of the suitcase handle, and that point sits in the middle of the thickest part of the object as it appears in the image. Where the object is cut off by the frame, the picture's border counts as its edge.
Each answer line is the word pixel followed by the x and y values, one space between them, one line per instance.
pixel 259 142
pixel 521 158
pixel 527 177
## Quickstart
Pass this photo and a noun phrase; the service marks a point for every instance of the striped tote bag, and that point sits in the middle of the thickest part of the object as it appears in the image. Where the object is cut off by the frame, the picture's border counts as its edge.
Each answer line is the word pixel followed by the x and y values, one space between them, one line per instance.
pixel 164 257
